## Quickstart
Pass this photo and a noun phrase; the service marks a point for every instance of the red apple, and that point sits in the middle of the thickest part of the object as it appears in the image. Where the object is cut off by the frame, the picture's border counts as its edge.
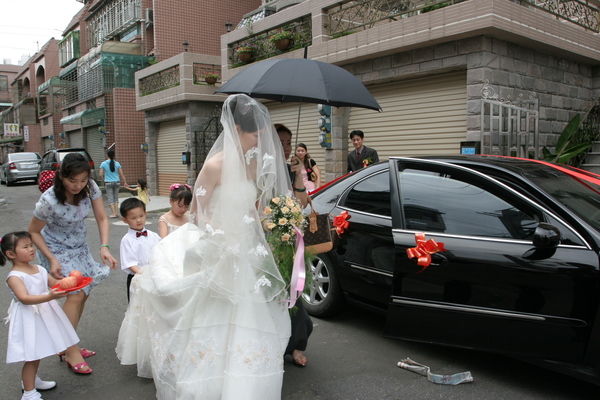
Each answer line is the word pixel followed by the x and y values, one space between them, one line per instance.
pixel 68 282
pixel 78 276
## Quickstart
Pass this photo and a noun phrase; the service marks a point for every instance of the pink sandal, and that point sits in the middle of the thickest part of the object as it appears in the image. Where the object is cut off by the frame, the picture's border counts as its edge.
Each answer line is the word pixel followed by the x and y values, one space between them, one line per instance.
pixel 85 353
pixel 77 368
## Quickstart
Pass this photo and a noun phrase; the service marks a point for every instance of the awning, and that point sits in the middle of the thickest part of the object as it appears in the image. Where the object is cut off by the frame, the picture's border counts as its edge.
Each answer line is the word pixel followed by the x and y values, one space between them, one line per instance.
pixel 11 139
pixel 63 72
pixel 55 80
pixel 85 117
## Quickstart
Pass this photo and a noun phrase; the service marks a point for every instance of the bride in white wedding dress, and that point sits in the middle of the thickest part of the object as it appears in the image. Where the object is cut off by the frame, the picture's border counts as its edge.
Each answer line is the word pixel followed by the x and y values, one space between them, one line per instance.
pixel 207 319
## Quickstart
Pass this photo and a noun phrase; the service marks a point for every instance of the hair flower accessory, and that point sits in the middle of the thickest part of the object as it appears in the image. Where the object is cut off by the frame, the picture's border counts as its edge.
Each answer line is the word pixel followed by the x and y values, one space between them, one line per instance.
pixel 178 185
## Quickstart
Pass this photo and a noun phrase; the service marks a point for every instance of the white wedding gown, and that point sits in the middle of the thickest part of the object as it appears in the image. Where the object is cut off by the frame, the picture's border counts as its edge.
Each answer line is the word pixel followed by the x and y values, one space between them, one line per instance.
pixel 202 322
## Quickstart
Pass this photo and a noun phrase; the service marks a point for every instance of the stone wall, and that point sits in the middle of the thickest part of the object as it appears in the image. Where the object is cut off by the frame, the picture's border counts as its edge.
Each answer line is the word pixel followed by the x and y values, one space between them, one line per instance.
pixel 563 86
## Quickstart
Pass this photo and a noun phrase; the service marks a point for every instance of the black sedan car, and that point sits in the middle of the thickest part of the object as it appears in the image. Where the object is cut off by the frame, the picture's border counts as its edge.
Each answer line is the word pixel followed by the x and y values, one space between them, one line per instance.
pixel 516 270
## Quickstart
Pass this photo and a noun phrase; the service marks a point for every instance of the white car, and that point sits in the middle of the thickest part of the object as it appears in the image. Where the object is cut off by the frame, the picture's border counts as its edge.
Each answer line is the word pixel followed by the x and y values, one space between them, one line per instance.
pixel 19 167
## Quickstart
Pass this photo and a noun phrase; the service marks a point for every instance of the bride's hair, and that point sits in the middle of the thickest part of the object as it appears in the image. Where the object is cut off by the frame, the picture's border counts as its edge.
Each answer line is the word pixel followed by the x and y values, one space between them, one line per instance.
pixel 243 114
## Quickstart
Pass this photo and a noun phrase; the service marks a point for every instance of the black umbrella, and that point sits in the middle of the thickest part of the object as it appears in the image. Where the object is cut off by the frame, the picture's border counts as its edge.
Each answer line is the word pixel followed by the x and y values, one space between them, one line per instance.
pixel 301 80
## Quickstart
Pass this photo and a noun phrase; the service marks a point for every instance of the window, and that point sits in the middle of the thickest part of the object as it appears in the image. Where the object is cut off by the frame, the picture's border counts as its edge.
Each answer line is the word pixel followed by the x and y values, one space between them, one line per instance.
pixel 371 195
pixel 130 34
pixel 440 202
pixel 3 82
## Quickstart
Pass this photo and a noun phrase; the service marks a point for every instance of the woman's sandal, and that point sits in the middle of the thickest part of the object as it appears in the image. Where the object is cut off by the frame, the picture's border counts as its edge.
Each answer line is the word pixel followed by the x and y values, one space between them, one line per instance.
pixel 77 368
pixel 85 353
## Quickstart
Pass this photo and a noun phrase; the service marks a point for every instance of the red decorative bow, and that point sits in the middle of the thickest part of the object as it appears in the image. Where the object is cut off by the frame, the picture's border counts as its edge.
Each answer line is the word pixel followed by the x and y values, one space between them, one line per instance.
pixel 138 234
pixel 424 250
pixel 341 222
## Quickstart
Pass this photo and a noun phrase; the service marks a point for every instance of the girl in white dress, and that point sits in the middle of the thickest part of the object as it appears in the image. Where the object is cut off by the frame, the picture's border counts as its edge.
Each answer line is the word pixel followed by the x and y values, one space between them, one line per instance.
pixel 38 326
pixel 180 199
pixel 209 319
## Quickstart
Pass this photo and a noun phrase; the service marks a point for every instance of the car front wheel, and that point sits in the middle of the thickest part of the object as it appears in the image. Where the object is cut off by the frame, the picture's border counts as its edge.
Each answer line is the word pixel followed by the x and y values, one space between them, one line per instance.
pixel 324 296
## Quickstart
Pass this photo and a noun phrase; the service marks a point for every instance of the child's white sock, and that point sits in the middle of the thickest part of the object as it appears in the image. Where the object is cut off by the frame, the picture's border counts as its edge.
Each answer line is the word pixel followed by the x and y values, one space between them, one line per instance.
pixel 31 395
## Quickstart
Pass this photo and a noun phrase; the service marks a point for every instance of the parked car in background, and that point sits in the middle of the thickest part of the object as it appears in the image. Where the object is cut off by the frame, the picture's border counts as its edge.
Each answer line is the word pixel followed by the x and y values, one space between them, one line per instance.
pixel 19 167
pixel 519 271
pixel 52 159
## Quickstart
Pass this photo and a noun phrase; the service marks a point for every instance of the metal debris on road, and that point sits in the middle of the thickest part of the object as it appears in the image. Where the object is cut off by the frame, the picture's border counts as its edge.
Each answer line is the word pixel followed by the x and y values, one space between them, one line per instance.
pixel 424 370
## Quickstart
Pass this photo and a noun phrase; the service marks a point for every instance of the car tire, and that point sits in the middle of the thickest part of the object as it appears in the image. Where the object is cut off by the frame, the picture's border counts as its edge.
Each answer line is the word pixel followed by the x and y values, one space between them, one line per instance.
pixel 324 297
pixel 9 183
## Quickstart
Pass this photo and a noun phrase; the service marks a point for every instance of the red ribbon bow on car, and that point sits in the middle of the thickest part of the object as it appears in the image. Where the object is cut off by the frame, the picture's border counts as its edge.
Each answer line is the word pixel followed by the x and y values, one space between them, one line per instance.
pixel 424 250
pixel 341 222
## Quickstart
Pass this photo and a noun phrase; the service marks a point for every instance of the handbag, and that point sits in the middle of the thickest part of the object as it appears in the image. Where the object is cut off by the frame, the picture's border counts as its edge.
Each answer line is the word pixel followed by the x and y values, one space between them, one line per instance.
pixel 311 171
pixel 318 235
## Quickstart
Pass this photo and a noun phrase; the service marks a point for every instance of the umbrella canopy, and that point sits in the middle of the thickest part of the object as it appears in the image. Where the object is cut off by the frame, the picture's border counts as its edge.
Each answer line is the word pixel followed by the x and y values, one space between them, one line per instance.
pixel 301 80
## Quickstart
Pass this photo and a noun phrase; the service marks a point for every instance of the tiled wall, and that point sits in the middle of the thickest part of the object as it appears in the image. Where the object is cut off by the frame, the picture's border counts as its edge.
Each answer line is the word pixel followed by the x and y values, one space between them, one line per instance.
pixel 200 23
pixel 129 134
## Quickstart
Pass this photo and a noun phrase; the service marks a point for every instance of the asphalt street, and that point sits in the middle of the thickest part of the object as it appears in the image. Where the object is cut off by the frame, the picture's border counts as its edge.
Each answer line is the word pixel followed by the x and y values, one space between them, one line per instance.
pixel 348 357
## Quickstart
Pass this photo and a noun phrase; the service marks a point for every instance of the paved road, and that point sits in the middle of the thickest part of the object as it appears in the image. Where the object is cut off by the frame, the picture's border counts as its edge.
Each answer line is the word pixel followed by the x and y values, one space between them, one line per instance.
pixel 348 357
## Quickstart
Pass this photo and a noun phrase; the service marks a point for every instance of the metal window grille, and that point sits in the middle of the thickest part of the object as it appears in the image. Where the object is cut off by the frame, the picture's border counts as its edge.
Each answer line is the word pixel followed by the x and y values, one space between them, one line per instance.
pixel 111 19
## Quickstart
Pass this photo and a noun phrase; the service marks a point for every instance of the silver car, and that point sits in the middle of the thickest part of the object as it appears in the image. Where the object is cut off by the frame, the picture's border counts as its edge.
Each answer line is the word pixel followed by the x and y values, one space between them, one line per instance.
pixel 19 167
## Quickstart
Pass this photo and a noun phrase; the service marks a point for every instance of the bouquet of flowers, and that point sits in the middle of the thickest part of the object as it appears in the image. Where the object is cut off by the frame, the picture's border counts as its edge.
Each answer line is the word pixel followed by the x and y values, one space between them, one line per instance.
pixel 367 161
pixel 284 213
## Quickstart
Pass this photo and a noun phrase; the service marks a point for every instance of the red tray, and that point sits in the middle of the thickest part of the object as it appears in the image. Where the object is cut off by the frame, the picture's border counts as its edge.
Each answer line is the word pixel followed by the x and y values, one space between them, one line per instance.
pixel 86 281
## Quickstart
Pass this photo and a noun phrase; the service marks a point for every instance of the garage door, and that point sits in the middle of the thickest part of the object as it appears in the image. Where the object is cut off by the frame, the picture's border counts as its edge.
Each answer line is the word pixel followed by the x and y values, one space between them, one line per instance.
pixel 94 145
pixel 287 114
pixel 424 116
pixel 75 138
pixel 48 143
pixel 170 145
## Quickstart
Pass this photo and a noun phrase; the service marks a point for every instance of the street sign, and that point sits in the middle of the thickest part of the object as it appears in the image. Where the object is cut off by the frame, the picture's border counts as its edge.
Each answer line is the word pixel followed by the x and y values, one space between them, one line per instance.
pixel 11 130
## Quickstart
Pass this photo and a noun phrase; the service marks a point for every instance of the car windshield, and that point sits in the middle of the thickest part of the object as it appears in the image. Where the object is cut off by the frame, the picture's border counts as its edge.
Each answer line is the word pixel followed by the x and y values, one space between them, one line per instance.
pixel 61 156
pixel 581 196
pixel 24 157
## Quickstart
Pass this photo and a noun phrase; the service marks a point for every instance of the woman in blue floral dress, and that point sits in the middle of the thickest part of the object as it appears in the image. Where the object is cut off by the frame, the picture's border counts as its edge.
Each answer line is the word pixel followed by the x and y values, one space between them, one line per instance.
pixel 59 231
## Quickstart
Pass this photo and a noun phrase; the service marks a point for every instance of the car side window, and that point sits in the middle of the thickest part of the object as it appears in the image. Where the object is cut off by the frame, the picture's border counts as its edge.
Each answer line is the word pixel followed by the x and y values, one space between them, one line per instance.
pixel 439 202
pixel 371 195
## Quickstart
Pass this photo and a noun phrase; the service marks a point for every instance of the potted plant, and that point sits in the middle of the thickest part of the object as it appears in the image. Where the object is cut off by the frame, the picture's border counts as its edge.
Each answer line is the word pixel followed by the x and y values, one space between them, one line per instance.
pixel 282 40
pixel 211 77
pixel 246 51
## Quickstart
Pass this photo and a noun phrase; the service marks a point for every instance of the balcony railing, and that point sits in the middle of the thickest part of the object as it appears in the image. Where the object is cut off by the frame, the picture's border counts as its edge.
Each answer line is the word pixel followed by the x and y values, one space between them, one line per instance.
pixel 161 80
pixel 200 70
pixel 262 46
pixel 579 12
pixel 353 16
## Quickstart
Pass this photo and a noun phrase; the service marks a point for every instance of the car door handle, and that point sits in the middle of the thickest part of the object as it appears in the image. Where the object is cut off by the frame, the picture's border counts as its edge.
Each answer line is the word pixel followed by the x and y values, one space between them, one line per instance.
pixel 438 260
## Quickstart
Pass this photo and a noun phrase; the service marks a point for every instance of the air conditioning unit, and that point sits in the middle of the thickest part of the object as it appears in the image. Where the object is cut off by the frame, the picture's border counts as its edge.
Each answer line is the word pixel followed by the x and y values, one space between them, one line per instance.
pixel 149 15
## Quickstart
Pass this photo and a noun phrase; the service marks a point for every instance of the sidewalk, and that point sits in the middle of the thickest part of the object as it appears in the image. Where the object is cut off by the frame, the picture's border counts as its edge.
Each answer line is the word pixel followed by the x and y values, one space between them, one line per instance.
pixel 156 202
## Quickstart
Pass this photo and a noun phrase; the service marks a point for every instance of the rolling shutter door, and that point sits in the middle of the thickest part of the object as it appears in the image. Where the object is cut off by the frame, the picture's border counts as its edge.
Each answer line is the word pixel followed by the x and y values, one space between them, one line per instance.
pixel 48 144
pixel 424 116
pixel 94 145
pixel 287 114
pixel 170 145
pixel 75 138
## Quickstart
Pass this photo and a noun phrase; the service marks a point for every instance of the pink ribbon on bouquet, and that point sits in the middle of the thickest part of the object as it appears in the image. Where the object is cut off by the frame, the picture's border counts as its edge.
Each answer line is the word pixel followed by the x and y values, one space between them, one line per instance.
pixel 298 271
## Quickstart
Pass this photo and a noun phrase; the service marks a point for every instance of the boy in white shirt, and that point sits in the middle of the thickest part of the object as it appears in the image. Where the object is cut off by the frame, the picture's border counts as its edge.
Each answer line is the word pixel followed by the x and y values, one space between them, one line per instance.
pixel 138 241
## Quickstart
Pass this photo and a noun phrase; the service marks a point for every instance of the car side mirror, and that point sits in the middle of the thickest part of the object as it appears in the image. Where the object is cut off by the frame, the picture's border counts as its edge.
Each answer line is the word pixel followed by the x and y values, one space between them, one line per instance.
pixel 546 236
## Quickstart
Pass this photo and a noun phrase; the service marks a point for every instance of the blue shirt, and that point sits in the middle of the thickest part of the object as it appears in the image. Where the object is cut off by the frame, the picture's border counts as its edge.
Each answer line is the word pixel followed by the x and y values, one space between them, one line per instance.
pixel 110 176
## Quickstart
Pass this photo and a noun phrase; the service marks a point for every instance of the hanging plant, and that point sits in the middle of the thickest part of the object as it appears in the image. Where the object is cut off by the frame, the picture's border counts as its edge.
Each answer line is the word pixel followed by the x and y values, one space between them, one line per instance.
pixel 283 40
pixel 211 77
